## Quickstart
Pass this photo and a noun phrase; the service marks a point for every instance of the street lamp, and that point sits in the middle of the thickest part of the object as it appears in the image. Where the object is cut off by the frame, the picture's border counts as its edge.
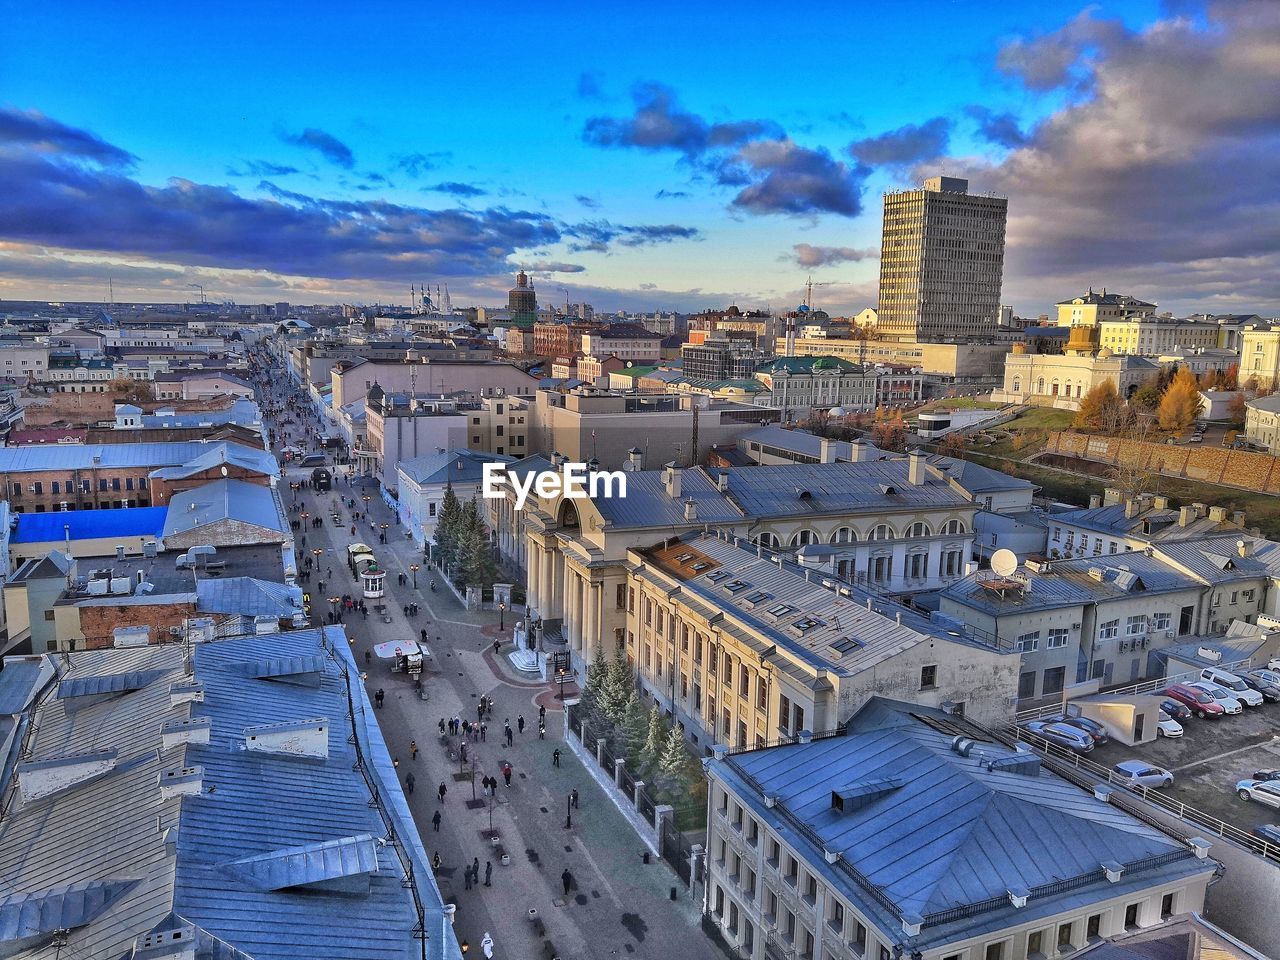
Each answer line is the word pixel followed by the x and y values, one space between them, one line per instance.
pixel 365 498
pixel 568 812
pixel 383 527
pixel 413 568
pixel 502 613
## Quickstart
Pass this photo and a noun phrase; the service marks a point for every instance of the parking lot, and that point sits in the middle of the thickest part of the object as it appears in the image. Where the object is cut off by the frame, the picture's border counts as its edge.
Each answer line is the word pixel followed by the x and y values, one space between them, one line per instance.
pixel 1209 758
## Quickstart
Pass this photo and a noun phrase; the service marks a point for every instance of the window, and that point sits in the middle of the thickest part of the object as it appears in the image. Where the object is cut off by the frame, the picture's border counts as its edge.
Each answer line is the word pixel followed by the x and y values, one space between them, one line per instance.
pixel 917 529
pixel 1064 936
pixel 952 528
pixel 1035 943
pixel 762 694
pixel 836 920
pixel 844 535
pixel 884 953
pixel 1057 638
pixel 928 676
pixel 1029 642
pixel 1053 678
pixel 1093 927
pixel 1109 630
pixel 1248 596
pixel 880 569
pixel 1166 906
pixel 744 681
pixel 859 942
pixel 1057 533
pixel 797 718
pixel 917 566
pixel 1131 916
pixel 881 532
pixel 1161 621
pixel 1136 626
pixel 995 951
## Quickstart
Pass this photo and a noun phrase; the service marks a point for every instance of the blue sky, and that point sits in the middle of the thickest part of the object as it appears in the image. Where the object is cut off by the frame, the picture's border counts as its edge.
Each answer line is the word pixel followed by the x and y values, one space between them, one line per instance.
pixel 643 156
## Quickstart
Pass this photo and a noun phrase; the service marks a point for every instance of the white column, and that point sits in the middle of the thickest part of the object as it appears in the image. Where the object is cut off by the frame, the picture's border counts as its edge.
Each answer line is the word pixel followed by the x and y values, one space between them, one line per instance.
pixel 590 638
pixel 532 585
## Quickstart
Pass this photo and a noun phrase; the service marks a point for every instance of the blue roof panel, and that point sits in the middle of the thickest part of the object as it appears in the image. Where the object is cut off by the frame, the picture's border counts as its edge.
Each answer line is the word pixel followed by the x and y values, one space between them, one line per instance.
pixel 89 524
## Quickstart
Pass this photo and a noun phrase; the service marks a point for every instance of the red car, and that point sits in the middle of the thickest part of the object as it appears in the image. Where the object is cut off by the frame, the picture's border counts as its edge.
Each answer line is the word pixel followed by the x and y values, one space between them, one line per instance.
pixel 1199 702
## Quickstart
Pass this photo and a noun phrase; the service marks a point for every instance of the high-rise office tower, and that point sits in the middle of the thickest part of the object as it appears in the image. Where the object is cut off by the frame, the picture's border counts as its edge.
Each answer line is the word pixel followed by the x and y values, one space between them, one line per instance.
pixel 941 260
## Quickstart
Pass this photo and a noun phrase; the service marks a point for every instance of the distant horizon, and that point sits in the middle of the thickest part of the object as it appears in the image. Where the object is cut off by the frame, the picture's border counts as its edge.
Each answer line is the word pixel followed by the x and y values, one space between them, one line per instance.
pixel 1134 139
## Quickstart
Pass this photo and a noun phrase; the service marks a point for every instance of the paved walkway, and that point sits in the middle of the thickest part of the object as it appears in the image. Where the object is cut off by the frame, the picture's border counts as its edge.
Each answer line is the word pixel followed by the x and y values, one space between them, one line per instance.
pixel 618 905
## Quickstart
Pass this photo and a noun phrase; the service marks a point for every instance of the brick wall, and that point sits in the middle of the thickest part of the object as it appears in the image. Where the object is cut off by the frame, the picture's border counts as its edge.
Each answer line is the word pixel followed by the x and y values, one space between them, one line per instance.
pixel 162 491
pixel 1234 468
pixel 98 623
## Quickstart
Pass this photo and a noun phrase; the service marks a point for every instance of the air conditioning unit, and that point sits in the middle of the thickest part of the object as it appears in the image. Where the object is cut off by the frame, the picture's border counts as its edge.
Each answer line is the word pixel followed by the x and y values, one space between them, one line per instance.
pixel 1168 633
pixel 1124 646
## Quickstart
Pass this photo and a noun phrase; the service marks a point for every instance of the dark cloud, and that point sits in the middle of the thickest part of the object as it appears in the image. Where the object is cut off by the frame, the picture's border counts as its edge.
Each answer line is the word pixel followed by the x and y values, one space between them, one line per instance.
pixel 326 144
pixel 35 131
pixel 589 85
pixel 1160 177
pixel 377 178
pixel 790 179
pixel 658 124
pixel 1002 129
pixel 588 202
pixel 598 235
pixel 262 168
pixel 456 189
pixel 416 164
pixel 807 255
pixel 554 266
pixel 913 143
pixel 1061 57
pixel 771 172
pixel 670 195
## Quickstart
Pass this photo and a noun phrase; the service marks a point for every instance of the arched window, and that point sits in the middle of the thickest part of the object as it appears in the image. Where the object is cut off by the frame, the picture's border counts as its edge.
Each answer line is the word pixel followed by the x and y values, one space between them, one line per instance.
pixel 918 529
pixel 952 528
pixel 881 532
pixel 844 535
pixel 1040 385
pixel 802 538
pixel 766 539
pixel 1017 384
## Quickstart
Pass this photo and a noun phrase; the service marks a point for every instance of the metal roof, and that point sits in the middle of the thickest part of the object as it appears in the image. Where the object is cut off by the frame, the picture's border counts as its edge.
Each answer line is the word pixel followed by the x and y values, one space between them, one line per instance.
pixel 281 821
pixel 223 453
pixel 836 488
pixel 955 837
pixel 89 524
pixel 225 499
pixel 648 504
pixel 77 456
pixel 247 596
pixel 460 466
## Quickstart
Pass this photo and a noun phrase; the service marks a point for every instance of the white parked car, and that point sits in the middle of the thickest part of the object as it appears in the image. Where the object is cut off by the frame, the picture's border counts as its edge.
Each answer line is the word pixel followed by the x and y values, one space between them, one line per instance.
pixel 1225 698
pixel 1273 663
pixel 1135 773
pixel 1229 681
pixel 1166 726
pixel 1261 791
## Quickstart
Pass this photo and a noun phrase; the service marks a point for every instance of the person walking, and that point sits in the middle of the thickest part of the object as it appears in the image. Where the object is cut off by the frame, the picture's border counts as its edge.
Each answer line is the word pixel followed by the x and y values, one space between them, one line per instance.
pixel 408 784
pixel 484 730
pixel 435 820
pixel 488 872
pixel 413 749
pixel 442 791
pixel 520 723
pixel 435 861
pixel 542 713
pixel 555 757
pixel 442 726
pixel 377 698
pixel 475 869
pixel 506 773
pixel 542 730
pixel 567 879
pixel 466 876
pixel 573 798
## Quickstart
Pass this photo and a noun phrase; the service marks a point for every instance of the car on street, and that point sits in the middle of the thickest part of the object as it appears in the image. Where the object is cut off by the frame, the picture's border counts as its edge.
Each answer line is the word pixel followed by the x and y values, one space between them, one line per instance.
pixel 1060 734
pixel 1137 773
pixel 1269 691
pixel 1266 792
pixel 313 460
pixel 1176 710
pixel 1166 726
pixel 1089 726
pixel 1233 685
pixel 1225 698
pixel 1269 832
pixel 1199 702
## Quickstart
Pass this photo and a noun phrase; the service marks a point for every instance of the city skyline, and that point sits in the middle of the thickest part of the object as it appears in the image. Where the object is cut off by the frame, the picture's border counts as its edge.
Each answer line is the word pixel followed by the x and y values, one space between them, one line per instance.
pixel 315 161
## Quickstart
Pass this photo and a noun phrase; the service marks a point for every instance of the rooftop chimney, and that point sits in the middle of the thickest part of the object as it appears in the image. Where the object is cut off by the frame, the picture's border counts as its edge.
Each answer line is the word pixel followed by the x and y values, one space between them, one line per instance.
pixel 1132 507
pixel 1110 496
pixel 176 944
pixel 635 460
pixel 1161 503
pixel 1237 519
pixel 1095 501
pixel 671 480
pixel 181 782
pixel 826 451
pixel 691 509
pixel 1244 548
pixel 1218 514
pixel 916 467
pixel 1186 514
pixel 297 738
pixel 861 450
pixel 722 484
pixel 175 733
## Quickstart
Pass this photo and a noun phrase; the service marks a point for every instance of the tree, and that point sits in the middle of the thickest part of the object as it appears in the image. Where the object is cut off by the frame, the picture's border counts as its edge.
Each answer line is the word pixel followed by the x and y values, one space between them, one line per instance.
pixel 616 689
pixel 1098 409
pixel 671 770
pixel 1231 378
pixel 954 444
pixel 654 741
pixel 597 674
pixel 890 434
pixel 1236 408
pixel 476 557
pixel 447 526
pixel 633 730
pixel 1148 395
pixel 1180 404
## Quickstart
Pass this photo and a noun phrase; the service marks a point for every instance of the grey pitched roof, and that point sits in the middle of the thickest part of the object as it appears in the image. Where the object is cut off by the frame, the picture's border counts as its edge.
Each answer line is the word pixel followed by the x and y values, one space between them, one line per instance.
pixel 248 596
pixel 647 503
pixel 459 466
pixel 1269 403
pixel 35 457
pixel 218 455
pixel 944 837
pixel 789 490
pixel 225 499
pixel 220 865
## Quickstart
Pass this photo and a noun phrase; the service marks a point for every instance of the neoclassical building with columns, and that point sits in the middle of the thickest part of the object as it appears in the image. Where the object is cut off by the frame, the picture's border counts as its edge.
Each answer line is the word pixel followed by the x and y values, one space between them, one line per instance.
pixel 892 525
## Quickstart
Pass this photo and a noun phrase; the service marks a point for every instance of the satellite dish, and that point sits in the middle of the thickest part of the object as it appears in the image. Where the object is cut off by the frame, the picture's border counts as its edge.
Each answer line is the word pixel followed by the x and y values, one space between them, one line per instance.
pixel 1004 562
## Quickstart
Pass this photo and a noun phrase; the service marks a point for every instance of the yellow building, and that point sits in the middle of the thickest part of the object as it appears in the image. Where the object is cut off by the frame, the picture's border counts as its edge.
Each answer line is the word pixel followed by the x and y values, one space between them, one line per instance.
pixel 1260 355
pixel 1094 308
pixel 1146 336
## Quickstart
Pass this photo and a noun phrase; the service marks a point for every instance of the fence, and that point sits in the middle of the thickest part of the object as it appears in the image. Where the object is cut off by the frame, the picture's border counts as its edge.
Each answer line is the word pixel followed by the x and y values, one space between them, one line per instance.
pixel 674 846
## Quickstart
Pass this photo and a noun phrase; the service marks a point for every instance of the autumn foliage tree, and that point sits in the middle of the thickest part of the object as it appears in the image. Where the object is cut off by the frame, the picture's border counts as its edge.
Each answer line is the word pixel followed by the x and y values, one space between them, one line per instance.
pixel 1180 404
pixel 890 433
pixel 1100 409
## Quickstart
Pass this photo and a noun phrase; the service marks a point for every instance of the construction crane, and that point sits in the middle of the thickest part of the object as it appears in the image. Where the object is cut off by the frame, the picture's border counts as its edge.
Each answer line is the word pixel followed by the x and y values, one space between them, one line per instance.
pixel 200 288
pixel 808 291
